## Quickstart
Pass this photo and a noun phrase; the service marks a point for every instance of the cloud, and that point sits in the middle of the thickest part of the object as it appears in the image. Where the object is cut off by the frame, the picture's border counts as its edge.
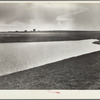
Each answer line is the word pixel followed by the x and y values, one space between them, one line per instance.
pixel 49 16
pixel 69 15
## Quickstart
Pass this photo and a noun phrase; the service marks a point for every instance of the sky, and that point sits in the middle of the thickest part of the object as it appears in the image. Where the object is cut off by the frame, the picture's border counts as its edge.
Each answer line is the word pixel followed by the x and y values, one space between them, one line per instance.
pixel 49 16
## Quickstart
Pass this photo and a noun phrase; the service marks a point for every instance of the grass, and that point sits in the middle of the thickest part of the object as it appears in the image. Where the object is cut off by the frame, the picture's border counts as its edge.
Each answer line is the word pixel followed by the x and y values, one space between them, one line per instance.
pixel 82 72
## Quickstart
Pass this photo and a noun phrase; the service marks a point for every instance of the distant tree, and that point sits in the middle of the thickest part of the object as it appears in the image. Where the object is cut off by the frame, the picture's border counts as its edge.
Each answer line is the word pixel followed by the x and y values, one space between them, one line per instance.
pixel 25 31
pixel 34 30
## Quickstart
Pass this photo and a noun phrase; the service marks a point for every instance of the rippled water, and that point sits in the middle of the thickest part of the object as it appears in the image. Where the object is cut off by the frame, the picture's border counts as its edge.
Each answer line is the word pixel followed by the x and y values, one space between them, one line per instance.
pixel 20 56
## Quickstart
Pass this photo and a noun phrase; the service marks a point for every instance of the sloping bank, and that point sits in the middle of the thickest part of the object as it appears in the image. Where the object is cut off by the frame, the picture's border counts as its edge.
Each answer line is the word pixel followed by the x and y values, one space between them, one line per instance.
pixel 80 72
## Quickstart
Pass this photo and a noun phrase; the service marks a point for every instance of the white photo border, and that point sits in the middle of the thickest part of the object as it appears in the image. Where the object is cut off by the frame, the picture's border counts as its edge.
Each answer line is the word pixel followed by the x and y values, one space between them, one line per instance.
pixel 50 94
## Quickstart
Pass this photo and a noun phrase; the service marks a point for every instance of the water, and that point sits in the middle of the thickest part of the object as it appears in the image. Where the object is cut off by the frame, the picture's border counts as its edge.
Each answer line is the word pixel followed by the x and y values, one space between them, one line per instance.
pixel 20 56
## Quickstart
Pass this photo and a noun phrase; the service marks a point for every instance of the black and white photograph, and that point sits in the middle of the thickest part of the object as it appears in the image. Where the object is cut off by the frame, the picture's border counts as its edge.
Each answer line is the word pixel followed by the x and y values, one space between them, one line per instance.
pixel 49 46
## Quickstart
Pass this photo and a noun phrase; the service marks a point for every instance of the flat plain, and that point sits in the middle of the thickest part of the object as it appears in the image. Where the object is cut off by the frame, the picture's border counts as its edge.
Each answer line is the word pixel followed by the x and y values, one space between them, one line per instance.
pixel 81 72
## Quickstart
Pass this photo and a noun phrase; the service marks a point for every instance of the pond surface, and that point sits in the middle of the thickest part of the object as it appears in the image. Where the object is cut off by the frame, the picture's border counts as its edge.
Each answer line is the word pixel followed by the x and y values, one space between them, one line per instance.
pixel 20 56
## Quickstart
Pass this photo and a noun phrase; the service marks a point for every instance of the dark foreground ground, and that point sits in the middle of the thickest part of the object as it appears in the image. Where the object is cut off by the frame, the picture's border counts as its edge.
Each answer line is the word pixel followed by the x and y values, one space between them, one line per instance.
pixel 82 72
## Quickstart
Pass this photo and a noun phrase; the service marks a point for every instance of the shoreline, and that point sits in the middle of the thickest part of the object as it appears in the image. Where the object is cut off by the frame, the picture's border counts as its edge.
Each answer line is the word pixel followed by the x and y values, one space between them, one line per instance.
pixel 77 73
